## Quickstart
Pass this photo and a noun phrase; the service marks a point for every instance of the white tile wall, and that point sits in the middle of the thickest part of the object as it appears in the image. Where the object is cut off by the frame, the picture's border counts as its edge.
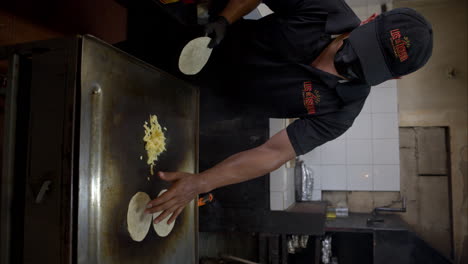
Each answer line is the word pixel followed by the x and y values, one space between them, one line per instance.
pixel 386 151
pixel 387 84
pixel 386 177
pixel 358 151
pixel 384 100
pixel 316 195
pixel 313 157
pixel 278 180
pixel 317 176
pixel 276 201
pixel 276 125
pixel 282 179
pixel 334 177
pixel 367 107
pixel 366 158
pixel 264 10
pixel 361 128
pixel 384 125
pixel 282 188
pixel 289 196
pixel 359 177
pixel 333 152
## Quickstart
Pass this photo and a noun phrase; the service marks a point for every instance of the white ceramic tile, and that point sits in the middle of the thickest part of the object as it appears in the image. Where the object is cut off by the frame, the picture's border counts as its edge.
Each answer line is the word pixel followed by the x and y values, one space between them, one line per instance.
pixel 385 151
pixel 333 152
pixel 316 195
pixel 358 6
pixel 276 125
pixel 340 137
pixel 317 175
pixel 359 151
pixel 367 105
pixel 384 100
pixel 385 125
pixel 362 18
pixel 359 177
pixel 361 128
pixel 264 9
pixel 276 201
pixel 291 187
pixel 278 179
pixel 253 15
pixel 289 199
pixel 373 9
pixel 386 177
pixel 389 7
pixel 387 84
pixel 312 157
pixel 334 178
pixel 289 178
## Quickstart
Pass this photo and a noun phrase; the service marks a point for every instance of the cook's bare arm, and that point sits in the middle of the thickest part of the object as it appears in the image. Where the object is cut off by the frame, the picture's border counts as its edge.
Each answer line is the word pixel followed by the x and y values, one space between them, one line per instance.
pixel 238 168
pixel 249 164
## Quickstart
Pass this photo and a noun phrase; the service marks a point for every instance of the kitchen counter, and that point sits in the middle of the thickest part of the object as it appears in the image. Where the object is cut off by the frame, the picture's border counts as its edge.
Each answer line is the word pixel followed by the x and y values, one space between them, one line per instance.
pixel 357 222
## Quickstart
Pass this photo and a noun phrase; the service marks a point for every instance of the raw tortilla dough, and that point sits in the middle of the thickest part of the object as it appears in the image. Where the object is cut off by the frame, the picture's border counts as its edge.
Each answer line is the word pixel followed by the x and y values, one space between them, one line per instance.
pixel 162 228
pixel 138 223
pixel 194 56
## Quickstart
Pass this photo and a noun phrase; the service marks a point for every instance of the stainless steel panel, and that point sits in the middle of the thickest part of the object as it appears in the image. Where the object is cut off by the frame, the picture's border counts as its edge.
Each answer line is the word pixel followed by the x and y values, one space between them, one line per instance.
pixel 8 159
pixel 118 93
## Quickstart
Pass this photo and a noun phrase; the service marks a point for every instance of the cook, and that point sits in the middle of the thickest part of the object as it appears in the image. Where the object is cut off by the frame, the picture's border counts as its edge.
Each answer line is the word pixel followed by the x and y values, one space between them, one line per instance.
pixel 310 59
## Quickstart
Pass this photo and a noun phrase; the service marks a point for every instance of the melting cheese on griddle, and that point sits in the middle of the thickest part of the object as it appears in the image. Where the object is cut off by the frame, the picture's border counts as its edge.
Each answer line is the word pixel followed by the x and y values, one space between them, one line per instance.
pixel 155 141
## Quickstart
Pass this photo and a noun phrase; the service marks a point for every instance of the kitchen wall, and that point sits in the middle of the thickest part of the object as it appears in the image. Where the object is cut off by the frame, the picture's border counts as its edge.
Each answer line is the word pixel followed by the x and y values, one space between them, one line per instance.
pixel 437 95
pixel 366 157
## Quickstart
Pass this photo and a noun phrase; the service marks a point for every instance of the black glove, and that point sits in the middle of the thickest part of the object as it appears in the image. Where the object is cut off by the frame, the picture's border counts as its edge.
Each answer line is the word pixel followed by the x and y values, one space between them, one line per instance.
pixel 216 30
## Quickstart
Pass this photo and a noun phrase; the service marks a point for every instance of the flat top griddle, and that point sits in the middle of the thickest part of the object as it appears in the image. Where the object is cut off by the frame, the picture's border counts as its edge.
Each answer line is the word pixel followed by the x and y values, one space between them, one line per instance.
pixel 118 94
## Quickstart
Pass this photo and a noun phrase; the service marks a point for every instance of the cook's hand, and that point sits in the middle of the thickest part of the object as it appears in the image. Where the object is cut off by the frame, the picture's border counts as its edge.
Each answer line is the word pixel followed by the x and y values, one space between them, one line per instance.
pixel 185 187
pixel 216 30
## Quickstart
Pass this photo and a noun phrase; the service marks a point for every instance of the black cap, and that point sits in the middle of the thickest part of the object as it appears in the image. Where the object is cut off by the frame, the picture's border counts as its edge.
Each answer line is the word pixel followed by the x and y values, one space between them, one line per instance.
pixel 396 43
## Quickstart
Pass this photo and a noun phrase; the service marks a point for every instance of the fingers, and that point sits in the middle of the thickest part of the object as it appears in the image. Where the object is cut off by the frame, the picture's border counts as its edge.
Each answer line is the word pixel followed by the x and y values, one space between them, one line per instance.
pixel 159 200
pixel 171 176
pixel 164 214
pixel 161 207
pixel 175 215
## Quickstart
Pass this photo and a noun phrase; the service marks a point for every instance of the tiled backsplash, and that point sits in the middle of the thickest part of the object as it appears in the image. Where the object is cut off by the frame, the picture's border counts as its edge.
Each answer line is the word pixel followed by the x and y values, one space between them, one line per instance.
pixel 366 157
pixel 281 180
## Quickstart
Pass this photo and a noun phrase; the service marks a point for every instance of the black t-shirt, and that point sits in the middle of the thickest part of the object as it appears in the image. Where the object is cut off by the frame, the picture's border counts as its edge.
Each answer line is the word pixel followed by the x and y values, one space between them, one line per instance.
pixel 268 62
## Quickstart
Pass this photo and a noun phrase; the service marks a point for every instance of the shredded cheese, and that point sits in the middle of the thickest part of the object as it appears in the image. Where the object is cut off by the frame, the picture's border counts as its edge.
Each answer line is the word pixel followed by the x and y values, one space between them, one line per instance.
pixel 155 141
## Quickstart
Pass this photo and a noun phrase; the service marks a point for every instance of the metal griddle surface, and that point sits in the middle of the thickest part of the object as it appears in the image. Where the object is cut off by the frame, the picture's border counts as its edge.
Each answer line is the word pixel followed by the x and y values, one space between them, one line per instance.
pixel 118 93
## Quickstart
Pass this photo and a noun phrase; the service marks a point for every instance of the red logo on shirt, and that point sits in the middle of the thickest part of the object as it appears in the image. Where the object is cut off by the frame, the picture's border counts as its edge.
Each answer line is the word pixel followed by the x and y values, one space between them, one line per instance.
pixel 311 97
pixel 400 44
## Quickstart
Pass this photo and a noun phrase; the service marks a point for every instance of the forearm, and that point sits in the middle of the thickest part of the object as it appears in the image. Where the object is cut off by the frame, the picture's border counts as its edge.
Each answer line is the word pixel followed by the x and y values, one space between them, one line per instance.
pixel 249 164
pixel 235 9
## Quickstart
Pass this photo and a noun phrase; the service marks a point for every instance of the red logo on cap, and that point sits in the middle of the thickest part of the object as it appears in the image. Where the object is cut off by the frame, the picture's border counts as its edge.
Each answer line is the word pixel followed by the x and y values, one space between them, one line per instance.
pixel 311 97
pixel 400 44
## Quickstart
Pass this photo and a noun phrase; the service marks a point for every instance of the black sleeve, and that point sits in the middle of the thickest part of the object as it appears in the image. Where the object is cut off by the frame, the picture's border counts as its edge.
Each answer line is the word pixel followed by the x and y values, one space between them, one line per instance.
pixel 309 132
pixel 295 7
pixel 341 18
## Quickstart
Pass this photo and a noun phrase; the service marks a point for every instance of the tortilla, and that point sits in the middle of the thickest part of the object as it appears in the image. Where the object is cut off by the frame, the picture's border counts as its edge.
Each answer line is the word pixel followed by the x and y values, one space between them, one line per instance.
pixel 162 228
pixel 138 223
pixel 194 56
